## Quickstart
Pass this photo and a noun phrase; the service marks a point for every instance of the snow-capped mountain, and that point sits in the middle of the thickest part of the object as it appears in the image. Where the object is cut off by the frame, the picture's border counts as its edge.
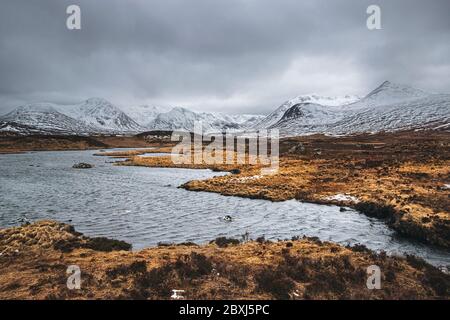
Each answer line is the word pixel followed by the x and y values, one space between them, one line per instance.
pixel 389 107
pixel 144 115
pixel 101 114
pixel 94 115
pixel 252 120
pixel 183 119
pixel 243 121
pixel 388 93
pixel 97 115
pixel 276 116
pixel 42 118
pixel 310 113
pixel 429 112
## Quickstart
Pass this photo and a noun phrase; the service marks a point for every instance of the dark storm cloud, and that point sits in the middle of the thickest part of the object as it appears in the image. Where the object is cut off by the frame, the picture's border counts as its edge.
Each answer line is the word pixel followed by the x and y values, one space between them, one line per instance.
pixel 217 55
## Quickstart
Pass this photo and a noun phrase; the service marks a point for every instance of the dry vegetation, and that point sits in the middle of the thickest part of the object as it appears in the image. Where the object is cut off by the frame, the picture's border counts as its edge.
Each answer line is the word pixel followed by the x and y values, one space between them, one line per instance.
pixel 34 259
pixel 135 158
pixel 17 144
pixel 132 153
pixel 399 177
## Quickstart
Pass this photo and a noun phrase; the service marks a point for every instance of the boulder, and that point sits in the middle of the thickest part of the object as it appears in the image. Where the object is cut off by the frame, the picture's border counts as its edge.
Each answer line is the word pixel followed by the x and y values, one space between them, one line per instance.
pixel 82 165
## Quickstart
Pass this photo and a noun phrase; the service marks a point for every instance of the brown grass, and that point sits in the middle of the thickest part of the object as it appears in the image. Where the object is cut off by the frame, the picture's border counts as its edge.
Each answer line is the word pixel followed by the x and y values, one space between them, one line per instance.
pixel 34 268
pixel 17 144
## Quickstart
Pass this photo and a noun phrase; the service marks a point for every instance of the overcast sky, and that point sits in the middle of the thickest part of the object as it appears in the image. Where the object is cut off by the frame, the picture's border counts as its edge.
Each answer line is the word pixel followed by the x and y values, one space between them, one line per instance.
pixel 236 56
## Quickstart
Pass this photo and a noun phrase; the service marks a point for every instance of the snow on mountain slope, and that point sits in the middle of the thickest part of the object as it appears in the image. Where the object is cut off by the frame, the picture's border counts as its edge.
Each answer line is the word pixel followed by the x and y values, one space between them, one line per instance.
pixel 307 118
pixel 183 119
pixel 276 116
pixel 17 128
pixel 310 113
pixel 389 107
pixel 144 115
pixel 176 119
pixel 91 116
pixel 252 121
pixel 429 112
pixel 387 93
pixel 97 115
pixel 42 118
pixel 101 114
pixel 244 121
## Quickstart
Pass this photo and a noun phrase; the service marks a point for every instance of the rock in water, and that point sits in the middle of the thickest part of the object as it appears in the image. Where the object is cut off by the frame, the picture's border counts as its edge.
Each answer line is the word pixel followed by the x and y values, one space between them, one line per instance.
pixel 82 165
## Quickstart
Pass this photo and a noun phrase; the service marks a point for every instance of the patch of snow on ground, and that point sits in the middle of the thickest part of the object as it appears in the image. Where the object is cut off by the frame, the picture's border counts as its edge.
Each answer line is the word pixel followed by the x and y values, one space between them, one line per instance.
pixel 250 178
pixel 342 197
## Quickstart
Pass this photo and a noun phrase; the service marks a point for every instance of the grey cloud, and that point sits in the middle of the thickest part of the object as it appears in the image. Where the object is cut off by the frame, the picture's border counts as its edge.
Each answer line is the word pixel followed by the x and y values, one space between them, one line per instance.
pixel 217 55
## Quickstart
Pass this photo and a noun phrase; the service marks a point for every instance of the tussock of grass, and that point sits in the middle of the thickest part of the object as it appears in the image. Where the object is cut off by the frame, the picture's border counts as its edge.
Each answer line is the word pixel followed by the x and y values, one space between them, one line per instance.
pixel 302 268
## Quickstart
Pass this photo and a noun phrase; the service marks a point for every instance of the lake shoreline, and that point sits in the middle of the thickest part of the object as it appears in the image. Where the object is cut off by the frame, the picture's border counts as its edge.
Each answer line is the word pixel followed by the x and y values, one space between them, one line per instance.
pixel 403 174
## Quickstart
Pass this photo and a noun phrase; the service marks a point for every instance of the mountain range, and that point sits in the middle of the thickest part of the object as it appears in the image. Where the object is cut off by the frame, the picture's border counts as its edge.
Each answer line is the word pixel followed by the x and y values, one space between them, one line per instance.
pixel 98 116
pixel 389 107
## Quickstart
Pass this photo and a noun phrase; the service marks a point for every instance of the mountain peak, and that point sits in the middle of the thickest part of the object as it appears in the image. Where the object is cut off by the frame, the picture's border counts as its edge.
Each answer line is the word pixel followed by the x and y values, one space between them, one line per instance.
pixel 33 108
pixel 396 91
pixel 100 106
pixel 312 99
pixel 43 118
